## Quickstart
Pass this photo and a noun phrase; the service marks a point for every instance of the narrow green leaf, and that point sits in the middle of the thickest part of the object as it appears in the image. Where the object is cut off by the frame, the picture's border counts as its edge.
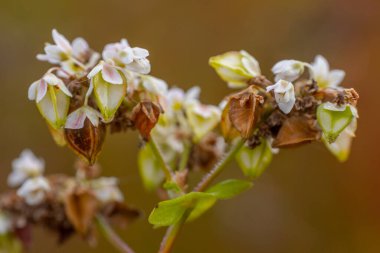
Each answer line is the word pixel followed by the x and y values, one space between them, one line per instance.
pixel 253 162
pixel 229 188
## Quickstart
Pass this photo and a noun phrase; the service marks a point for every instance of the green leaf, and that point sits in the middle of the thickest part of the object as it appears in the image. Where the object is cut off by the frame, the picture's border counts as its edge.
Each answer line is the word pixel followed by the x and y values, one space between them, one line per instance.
pixel 169 212
pixel 229 188
pixel 150 171
pixel 253 162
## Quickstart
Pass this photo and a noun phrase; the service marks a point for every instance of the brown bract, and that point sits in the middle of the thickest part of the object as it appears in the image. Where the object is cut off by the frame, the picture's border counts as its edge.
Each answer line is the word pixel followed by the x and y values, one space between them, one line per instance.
pixel 145 116
pixel 87 141
pixel 241 113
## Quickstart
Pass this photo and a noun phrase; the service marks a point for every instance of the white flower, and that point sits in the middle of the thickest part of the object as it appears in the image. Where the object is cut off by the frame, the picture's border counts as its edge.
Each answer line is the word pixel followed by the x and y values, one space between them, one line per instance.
pixel 25 166
pixel 106 190
pixel 123 55
pixel 76 119
pixel 52 98
pixel 34 190
pixel 59 52
pixel 284 95
pixel 177 99
pixel 323 75
pixel 154 85
pixel 110 73
pixel 202 118
pixel 109 85
pixel 236 68
pixel 289 70
pixel 5 224
pixel 71 56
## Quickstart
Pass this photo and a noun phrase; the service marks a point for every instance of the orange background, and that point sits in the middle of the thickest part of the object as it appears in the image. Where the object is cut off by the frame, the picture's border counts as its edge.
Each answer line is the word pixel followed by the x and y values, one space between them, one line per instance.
pixel 305 202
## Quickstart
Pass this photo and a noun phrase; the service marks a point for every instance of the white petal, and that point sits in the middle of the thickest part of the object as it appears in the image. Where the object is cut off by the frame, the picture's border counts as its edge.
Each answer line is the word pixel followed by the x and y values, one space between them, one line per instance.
pixel 16 178
pixel 80 47
pixel 140 53
pixel 336 77
pixel 76 119
pixel 41 90
pixel 320 66
pixel 111 74
pixel 52 79
pixel 61 41
pixel 140 66
pixel 93 115
pixel 95 70
pixel 32 91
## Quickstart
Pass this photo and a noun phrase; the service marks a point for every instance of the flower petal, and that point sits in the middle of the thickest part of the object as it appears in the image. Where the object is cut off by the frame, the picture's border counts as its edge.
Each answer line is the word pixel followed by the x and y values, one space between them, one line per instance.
pixel 41 90
pixel 95 70
pixel 140 53
pixel 111 74
pixel 32 91
pixel 80 47
pixel 76 119
pixel 336 77
pixel 61 41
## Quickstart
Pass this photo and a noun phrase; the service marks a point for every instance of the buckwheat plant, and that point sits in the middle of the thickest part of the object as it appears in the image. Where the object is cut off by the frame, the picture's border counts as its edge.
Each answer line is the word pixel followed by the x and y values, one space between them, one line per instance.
pixel 87 95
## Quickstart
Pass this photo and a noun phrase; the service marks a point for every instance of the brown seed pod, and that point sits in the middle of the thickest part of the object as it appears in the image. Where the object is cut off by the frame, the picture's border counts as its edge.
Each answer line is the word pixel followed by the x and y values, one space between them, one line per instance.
pixel 145 116
pixel 243 111
pixel 81 207
pixel 296 130
pixel 87 142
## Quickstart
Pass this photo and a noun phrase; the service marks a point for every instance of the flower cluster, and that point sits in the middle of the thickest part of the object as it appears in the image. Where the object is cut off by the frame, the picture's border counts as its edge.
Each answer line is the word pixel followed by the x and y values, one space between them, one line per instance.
pixel 85 95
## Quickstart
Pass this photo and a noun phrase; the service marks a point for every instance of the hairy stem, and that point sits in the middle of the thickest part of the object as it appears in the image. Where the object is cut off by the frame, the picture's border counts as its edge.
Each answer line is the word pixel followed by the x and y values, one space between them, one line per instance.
pixel 167 170
pixel 218 168
pixel 112 236
pixel 173 231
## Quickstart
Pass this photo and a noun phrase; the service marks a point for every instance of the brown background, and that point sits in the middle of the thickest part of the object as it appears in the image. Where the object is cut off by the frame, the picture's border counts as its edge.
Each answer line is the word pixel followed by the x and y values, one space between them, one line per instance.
pixel 305 202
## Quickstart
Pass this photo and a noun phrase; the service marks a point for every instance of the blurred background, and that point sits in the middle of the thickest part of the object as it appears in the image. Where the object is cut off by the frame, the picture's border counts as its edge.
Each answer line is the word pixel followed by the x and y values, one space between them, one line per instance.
pixel 305 202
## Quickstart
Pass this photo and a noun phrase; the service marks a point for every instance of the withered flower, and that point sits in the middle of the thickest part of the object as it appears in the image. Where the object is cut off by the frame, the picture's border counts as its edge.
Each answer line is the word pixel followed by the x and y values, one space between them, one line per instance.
pixel 145 116
pixel 242 111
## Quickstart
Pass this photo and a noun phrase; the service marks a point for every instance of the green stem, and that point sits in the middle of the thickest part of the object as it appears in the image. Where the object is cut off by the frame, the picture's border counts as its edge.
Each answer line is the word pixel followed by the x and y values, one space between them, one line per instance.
pixel 111 235
pixel 218 168
pixel 172 234
pixel 165 167
pixel 173 231
pixel 185 156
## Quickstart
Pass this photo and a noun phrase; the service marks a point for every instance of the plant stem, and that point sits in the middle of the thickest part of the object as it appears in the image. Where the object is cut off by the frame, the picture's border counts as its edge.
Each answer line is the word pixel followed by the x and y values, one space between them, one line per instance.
pixel 111 235
pixel 185 156
pixel 168 172
pixel 172 233
pixel 218 168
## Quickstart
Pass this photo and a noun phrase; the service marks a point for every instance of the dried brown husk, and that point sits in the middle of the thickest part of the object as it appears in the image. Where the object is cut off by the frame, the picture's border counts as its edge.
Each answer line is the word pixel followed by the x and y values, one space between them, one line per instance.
pixel 88 141
pixel 241 113
pixel 296 130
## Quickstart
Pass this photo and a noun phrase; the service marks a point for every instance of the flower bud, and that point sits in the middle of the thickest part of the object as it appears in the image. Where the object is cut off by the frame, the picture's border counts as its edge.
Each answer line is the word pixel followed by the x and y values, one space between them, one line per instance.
pixel 34 190
pixel 145 116
pixel 284 95
pixel 289 70
pixel 52 98
pixel 333 119
pixel 109 86
pixel 254 161
pixel 342 145
pixel 236 68
pixel 202 118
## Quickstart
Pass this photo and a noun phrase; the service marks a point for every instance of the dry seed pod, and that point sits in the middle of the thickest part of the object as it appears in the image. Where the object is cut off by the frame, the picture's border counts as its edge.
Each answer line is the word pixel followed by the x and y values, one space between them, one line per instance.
pixel 145 116
pixel 296 130
pixel 243 111
pixel 87 141
pixel 81 206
